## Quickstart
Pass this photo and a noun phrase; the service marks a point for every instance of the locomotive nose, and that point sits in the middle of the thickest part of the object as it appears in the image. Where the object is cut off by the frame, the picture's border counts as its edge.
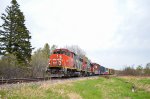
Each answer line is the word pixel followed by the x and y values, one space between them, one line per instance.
pixel 56 61
pixel 60 60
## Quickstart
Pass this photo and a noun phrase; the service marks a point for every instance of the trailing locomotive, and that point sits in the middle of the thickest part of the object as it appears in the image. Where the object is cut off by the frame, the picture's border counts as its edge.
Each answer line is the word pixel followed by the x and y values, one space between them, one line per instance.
pixel 65 63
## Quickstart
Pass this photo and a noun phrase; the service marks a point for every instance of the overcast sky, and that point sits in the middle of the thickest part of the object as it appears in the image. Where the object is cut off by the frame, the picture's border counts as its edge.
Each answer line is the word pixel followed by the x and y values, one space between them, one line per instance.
pixel 113 33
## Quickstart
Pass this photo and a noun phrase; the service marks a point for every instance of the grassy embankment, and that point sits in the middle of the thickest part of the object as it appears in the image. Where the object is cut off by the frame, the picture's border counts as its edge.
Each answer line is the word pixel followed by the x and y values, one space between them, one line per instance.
pixel 101 88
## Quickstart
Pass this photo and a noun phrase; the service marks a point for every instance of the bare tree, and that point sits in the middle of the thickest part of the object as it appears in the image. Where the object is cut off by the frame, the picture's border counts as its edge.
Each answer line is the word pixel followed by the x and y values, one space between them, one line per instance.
pixel 147 69
pixel 128 70
pixel 40 60
pixel 139 70
pixel 76 49
pixel 9 68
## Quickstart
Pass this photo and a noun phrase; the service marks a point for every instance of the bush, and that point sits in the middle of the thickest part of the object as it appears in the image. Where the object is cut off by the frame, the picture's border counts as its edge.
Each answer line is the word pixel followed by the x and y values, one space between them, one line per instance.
pixel 10 68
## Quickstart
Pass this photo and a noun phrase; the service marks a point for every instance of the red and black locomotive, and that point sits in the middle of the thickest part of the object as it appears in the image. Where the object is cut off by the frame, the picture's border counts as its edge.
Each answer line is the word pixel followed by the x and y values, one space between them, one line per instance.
pixel 65 63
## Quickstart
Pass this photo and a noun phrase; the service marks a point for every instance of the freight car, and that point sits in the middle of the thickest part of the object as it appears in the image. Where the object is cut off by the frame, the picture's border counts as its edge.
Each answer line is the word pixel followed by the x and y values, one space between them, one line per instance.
pixel 96 69
pixel 106 71
pixel 111 71
pixel 65 63
pixel 102 70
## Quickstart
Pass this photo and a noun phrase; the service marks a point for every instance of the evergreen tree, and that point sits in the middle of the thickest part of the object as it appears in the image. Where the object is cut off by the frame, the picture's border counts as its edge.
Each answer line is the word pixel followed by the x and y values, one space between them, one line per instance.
pixel 46 50
pixel 14 36
pixel 147 69
pixel 53 48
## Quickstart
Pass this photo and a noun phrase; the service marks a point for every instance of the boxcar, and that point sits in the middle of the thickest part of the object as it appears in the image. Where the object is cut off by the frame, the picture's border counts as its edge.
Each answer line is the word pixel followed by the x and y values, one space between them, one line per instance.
pixel 96 68
pixel 102 70
pixel 106 71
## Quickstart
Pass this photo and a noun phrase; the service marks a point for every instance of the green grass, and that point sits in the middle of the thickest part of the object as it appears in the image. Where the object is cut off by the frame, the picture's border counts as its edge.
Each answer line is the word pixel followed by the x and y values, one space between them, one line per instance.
pixel 144 81
pixel 101 88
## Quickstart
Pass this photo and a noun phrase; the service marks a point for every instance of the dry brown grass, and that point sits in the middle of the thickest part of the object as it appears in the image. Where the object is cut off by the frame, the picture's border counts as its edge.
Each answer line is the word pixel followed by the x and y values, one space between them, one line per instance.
pixel 133 77
pixel 134 80
pixel 28 92
pixel 74 96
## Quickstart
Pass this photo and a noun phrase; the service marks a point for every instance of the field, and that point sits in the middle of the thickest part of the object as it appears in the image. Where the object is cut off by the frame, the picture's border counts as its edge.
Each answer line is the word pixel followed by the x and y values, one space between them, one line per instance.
pixel 87 88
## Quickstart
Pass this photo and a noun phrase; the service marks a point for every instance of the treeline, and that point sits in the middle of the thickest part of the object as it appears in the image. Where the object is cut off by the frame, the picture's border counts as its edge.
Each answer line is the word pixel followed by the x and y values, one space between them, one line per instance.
pixel 10 68
pixel 16 58
pixel 138 71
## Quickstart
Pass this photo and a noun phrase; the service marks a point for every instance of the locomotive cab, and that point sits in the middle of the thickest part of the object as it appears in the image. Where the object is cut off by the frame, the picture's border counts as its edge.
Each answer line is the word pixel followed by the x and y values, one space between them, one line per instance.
pixel 60 61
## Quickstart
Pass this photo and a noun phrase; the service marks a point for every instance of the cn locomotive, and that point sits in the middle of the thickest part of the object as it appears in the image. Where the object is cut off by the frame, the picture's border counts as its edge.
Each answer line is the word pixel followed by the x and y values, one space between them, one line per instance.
pixel 65 63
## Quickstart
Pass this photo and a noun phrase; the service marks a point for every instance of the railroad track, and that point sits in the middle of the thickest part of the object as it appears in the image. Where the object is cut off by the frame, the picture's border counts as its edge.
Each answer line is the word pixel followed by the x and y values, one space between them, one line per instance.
pixel 21 80
pixel 27 80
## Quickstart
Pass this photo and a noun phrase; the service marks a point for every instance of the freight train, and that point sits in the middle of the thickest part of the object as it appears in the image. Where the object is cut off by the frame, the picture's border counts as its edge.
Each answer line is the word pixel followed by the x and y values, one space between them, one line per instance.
pixel 65 63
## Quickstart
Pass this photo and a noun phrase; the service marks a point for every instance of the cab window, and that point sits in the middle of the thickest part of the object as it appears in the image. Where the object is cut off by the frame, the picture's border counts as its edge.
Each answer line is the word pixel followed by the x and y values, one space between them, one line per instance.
pixel 59 52
pixel 56 52
pixel 62 52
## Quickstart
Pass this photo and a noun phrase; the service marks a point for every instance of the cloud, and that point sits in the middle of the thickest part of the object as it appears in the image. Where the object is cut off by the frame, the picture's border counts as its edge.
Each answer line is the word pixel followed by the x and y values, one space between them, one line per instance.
pixel 134 30
pixel 81 22
pixel 131 42
pixel 113 33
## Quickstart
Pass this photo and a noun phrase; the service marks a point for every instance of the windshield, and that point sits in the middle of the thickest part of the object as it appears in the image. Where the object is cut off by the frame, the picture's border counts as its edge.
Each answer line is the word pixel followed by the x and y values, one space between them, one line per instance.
pixel 62 52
